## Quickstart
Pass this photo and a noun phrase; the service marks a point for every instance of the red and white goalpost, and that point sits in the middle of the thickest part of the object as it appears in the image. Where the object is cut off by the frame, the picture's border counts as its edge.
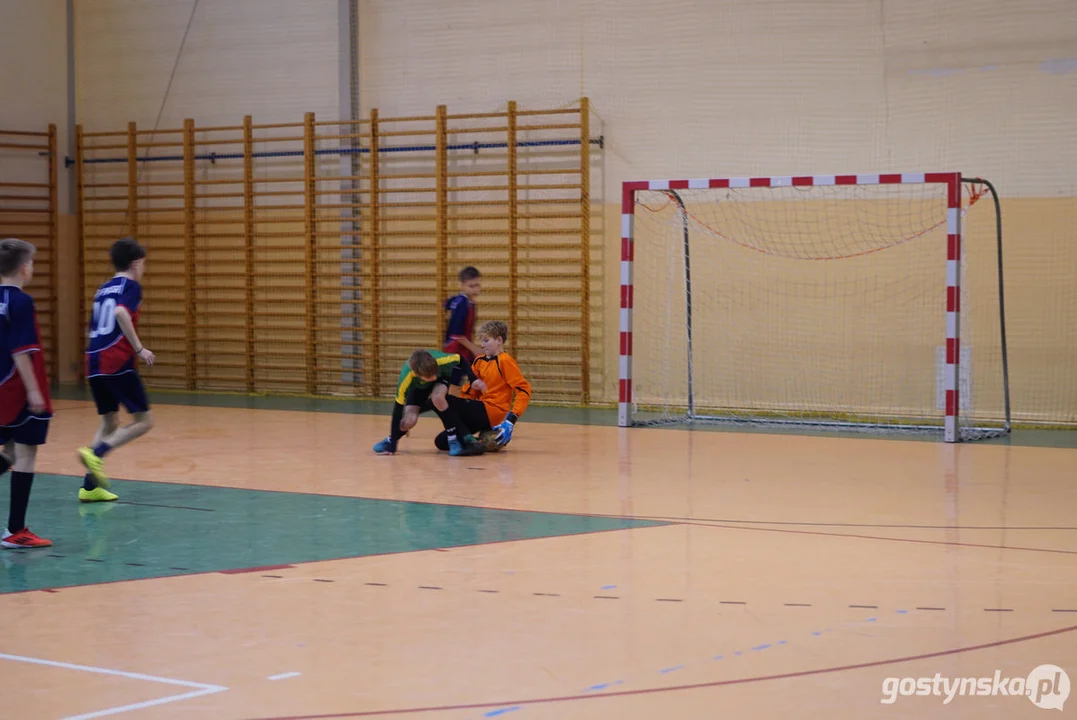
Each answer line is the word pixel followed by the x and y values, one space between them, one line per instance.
pixel 822 301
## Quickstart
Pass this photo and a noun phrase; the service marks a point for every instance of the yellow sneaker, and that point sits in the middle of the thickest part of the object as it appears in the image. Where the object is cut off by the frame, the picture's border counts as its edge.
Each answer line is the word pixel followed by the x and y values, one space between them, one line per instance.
pixel 95 466
pixel 98 494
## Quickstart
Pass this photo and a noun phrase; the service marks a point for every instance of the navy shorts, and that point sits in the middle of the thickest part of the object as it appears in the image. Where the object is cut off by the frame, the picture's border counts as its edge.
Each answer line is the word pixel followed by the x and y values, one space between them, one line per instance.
pixel 111 391
pixel 25 430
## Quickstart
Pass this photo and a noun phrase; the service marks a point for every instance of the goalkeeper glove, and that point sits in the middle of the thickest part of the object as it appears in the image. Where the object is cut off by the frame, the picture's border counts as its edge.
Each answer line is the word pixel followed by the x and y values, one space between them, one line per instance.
pixel 504 430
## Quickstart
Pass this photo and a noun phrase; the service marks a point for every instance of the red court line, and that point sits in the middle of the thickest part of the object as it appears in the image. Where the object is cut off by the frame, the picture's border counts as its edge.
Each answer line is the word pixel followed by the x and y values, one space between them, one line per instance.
pixel 875 526
pixel 854 536
pixel 676 688
pixel 667 521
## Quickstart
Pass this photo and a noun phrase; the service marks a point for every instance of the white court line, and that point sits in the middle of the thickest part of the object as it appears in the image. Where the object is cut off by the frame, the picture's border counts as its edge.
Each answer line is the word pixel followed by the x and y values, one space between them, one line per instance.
pixel 202 688
pixel 284 676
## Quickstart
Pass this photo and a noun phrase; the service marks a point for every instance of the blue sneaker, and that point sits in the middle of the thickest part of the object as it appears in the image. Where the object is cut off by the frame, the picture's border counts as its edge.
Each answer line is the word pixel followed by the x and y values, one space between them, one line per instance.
pixel 385 447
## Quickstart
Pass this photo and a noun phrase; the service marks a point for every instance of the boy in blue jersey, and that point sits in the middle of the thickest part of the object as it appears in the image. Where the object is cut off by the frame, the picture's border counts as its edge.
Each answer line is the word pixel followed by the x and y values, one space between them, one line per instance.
pixel 461 308
pixel 25 404
pixel 111 366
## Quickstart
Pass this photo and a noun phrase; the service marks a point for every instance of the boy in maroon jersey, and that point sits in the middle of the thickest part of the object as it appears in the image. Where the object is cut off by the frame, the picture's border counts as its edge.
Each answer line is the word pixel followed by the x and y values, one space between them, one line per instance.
pixel 461 309
pixel 112 366
pixel 25 405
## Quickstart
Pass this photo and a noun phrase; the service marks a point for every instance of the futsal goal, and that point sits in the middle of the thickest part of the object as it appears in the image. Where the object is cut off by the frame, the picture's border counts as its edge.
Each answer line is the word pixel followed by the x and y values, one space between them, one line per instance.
pixel 852 302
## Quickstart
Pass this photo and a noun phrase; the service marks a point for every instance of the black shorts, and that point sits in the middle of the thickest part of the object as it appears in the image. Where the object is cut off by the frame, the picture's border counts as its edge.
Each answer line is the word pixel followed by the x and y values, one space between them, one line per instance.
pixel 471 412
pixel 111 391
pixel 25 430
pixel 421 396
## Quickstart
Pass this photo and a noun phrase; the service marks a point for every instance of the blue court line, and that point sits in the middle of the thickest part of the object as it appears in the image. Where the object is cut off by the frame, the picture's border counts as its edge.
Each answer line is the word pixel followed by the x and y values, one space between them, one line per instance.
pixel 758 648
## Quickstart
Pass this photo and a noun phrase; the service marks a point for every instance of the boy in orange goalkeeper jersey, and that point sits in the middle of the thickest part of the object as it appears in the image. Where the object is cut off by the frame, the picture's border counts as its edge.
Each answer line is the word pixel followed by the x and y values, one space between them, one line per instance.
pixel 502 396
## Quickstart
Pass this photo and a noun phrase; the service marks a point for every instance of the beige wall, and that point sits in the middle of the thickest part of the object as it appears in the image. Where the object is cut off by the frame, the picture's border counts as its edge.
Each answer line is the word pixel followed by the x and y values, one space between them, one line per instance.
pixel 698 88
pixel 272 59
pixel 693 88
pixel 33 55
pixel 705 89
pixel 33 83
pixel 688 88
pixel 33 95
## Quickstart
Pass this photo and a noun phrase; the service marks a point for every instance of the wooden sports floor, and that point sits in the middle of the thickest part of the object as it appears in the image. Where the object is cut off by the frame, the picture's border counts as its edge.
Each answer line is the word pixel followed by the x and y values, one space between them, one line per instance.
pixel 263 563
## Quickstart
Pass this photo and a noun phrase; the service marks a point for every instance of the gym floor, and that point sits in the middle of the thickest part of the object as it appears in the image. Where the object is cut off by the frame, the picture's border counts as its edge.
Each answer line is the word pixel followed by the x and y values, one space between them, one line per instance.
pixel 262 562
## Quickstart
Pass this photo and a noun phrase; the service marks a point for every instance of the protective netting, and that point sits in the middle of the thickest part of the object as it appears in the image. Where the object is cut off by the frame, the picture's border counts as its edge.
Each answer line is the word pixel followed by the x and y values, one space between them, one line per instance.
pixel 819 305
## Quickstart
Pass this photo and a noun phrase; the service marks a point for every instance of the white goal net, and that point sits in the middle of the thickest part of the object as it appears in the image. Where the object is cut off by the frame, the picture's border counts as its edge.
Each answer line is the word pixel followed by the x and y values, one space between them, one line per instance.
pixel 856 302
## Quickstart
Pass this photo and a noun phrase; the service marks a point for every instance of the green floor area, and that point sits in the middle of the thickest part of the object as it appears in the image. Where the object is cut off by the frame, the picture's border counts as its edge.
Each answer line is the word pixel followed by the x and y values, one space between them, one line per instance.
pixel 161 529
pixel 1031 437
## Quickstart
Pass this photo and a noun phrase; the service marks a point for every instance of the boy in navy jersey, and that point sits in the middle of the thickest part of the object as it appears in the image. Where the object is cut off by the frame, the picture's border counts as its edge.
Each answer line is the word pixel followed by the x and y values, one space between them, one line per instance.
pixel 25 405
pixel 111 365
pixel 461 326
